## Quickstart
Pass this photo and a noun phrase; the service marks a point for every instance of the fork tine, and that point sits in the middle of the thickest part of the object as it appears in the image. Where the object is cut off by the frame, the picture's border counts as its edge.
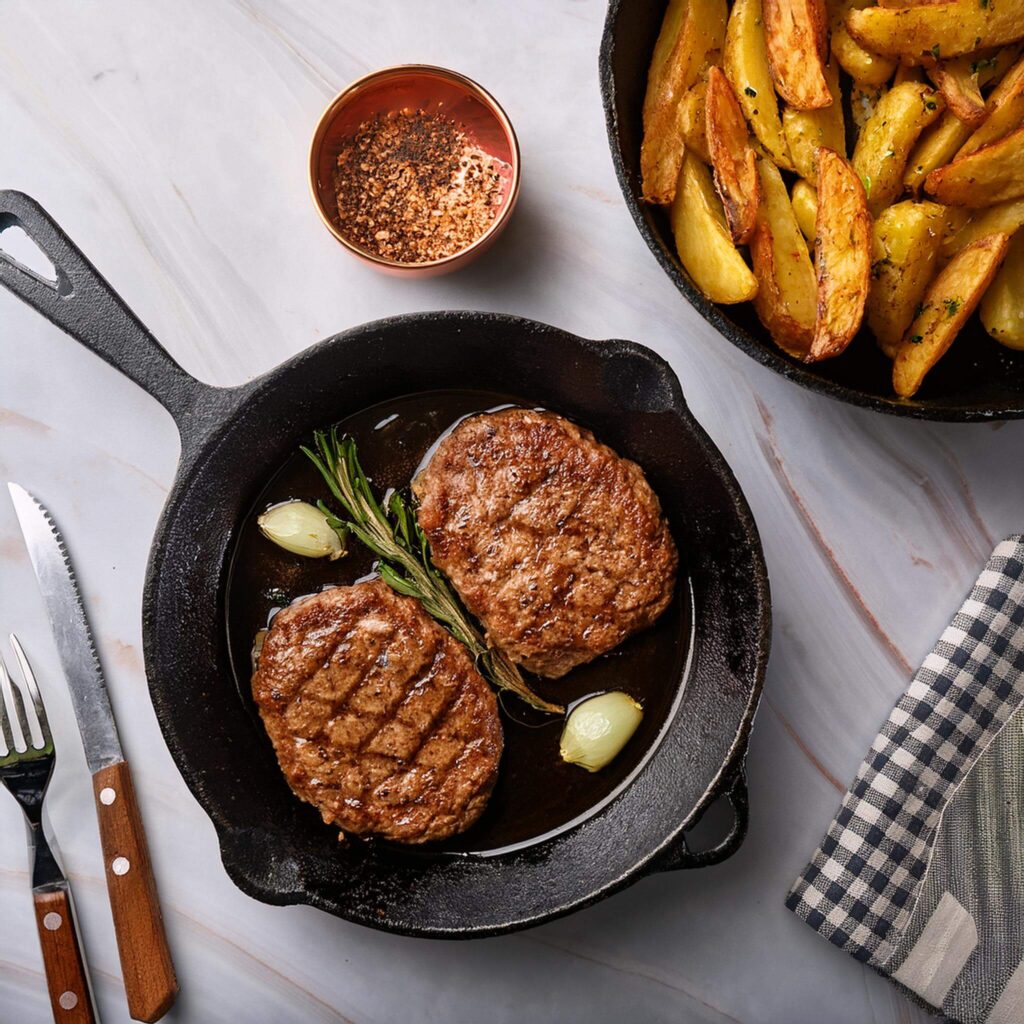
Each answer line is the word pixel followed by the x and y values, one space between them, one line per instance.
pixel 6 738
pixel 13 704
pixel 42 725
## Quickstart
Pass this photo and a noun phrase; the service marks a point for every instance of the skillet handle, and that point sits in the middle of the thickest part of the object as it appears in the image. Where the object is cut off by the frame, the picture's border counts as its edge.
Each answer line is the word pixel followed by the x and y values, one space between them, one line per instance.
pixel 81 303
pixel 680 856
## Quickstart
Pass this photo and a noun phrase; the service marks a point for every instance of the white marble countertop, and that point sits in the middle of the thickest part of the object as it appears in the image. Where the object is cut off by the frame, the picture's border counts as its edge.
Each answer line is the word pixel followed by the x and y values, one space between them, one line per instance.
pixel 169 140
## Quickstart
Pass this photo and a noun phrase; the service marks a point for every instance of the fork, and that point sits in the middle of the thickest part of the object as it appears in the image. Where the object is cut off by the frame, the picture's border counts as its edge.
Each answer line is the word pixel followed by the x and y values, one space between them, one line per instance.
pixel 26 763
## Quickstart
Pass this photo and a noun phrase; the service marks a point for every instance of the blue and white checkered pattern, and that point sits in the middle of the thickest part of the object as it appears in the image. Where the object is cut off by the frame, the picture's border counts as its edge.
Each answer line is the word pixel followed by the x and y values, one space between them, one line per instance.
pixel 861 886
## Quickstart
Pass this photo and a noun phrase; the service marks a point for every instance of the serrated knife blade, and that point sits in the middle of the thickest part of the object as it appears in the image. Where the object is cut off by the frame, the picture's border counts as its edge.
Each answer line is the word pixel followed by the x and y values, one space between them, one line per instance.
pixel 71 631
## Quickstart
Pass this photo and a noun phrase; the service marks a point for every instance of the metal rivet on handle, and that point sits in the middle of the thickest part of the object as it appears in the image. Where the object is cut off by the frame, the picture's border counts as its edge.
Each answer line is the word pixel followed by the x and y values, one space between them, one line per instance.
pixel 68 1000
pixel 52 921
pixel 120 866
pixel 107 795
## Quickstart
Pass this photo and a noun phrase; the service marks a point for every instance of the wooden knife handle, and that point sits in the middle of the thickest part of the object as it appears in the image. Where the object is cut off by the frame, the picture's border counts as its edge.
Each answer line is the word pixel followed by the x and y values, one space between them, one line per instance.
pixel 62 957
pixel 149 980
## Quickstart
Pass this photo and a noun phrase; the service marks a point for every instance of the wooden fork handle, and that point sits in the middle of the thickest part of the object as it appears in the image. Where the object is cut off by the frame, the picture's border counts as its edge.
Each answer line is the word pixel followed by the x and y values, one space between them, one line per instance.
pixel 149 980
pixel 66 977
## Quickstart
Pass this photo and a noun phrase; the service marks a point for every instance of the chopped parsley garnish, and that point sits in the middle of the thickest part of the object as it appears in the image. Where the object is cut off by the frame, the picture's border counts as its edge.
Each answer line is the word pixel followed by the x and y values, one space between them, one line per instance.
pixel 916 339
pixel 952 305
pixel 935 51
pixel 929 104
pixel 749 91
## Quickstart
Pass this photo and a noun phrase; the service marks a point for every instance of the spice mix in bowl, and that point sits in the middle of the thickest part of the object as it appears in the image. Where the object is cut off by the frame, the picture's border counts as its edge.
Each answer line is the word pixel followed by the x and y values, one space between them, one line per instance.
pixel 414 169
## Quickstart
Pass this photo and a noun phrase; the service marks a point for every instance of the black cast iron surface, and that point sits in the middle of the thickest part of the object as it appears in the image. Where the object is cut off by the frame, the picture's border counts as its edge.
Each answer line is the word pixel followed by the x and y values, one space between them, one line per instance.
pixel 233 439
pixel 978 379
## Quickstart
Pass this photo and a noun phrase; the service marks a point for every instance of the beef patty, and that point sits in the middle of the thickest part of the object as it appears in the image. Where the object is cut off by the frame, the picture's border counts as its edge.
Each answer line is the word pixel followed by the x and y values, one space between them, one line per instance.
pixel 378 716
pixel 553 541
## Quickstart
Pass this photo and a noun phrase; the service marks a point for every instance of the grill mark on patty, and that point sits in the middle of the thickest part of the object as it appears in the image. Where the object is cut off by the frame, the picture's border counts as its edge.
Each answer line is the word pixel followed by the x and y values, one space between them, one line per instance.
pixel 378 716
pixel 553 541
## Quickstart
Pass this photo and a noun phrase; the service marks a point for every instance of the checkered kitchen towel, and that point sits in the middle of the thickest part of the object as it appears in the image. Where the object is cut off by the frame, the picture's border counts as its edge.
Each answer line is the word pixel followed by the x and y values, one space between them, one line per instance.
pixel 921 873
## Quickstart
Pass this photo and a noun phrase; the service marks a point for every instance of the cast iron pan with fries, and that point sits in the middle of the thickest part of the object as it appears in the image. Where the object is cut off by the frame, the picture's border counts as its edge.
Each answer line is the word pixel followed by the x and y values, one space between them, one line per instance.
pixel 903 287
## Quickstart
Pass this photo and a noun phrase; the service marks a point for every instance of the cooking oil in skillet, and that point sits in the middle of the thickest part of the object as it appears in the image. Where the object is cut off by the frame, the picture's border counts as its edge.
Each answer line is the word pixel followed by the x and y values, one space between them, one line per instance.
pixel 537 794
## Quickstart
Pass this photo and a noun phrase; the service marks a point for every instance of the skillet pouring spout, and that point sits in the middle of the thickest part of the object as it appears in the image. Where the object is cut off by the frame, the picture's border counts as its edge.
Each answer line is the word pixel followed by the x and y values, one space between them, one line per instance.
pixel 234 441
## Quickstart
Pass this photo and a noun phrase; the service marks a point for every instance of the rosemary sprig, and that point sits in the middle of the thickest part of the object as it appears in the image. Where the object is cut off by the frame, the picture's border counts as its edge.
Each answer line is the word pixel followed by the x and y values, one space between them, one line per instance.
pixel 392 533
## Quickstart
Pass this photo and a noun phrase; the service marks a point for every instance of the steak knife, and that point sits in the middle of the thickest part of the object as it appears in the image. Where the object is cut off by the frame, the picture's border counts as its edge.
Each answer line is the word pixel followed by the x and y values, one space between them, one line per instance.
pixel 149 978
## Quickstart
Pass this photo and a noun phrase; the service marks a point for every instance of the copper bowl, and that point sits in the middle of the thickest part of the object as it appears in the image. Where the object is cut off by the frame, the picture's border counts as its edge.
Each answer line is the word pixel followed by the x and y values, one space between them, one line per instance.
pixel 416 86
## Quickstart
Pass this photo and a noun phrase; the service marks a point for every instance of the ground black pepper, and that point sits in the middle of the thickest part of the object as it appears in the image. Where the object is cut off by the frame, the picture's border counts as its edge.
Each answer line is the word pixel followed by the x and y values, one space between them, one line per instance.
pixel 411 187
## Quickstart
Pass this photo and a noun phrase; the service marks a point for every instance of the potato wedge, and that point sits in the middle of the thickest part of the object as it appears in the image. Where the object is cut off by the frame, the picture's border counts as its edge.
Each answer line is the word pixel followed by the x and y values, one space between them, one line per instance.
pixel 884 144
pixel 1004 112
pixel 808 130
pixel 787 291
pixel 957 80
pixel 842 256
pixel 1002 307
pixel 702 238
pixel 984 177
pixel 948 304
pixel 1002 218
pixel 796 34
pixel 861 65
pixel 691 38
pixel 746 66
pixel 904 250
pixel 946 139
pixel 733 160
pixel 937 31
pixel 692 116
pixel 935 148
pixel 805 208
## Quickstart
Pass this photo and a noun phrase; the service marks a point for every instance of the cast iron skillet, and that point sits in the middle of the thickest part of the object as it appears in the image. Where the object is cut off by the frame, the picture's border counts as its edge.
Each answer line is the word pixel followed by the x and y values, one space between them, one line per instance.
pixel 233 439
pixel 978 379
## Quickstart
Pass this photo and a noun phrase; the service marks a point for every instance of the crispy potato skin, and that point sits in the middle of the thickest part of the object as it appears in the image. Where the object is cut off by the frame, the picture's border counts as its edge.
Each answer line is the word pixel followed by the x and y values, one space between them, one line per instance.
pixel 986 176
pixel 808 130
pixel 733 160
pixel 746 66
pixel 931 31
pixel 905 245
pixel 1004 111
pixel 885 142
pixel 1002 308
pixel 796 32
pixel 861 65
pixel 960 89
pixel 842 249
pixel 703 242
pixel 691 39
pixel 787 292
pixel 950 300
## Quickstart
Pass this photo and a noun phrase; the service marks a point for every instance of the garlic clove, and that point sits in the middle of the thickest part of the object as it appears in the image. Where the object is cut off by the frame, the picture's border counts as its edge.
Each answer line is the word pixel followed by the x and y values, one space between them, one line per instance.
pixel 302 529
pixel 598 728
